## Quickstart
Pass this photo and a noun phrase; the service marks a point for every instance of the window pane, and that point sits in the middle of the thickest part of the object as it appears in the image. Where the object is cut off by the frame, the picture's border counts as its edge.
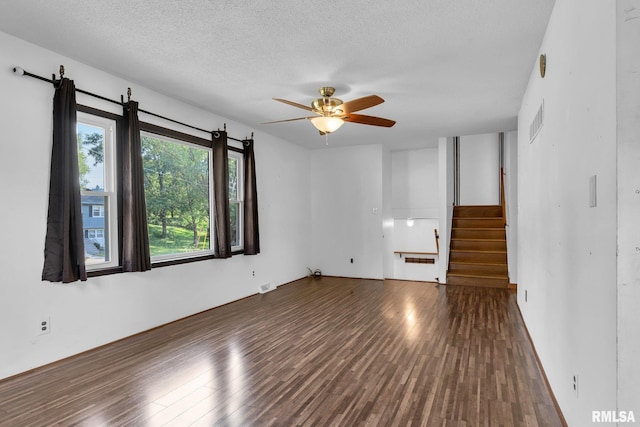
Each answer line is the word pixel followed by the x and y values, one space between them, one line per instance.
pixel 177 196
pixel 233 178
pixel 96 160
pixel 234 218
pixel 91 157
pixel 97 210
pixel 95 245
pixel 235 199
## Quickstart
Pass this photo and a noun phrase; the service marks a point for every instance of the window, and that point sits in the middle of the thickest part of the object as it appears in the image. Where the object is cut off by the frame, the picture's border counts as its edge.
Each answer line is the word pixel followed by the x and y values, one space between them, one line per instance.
pixel 97 211
pixel 95 234
pixel 235 198
pixel 178 197
pixel 96 161
pixel 178 192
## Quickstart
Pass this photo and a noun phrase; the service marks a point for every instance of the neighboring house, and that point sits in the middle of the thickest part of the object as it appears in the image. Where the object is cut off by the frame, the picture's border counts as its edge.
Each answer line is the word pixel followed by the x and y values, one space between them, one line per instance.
pixel 93 224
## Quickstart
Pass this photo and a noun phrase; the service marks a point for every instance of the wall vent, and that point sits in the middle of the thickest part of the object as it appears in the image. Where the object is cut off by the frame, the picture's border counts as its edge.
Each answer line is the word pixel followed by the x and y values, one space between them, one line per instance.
pixel 266 287
pixel 537 123
pixel 411 260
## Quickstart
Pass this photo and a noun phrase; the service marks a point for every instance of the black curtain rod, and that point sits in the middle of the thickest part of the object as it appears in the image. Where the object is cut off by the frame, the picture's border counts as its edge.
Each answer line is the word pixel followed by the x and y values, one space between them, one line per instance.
pixel 23 72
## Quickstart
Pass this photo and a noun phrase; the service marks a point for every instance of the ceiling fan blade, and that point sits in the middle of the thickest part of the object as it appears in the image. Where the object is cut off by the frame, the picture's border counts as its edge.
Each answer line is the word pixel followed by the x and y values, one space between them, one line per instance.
pixel 295 104
pixel 360 104
pixel 287 120
pixel 369 120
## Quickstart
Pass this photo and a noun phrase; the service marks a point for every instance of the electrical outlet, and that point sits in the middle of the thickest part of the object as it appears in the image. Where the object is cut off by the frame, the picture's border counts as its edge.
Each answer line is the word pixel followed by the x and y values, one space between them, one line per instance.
pixel 44 326
pixel 253 273
pixel 575 385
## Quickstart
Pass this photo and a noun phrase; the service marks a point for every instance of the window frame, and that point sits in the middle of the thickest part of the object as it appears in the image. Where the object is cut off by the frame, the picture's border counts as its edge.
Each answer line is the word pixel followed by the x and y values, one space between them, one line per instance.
pixel 92 233
pixel 116 265
pixel 238 154
pixel 189 140
pixel 110 210
pixel 100 211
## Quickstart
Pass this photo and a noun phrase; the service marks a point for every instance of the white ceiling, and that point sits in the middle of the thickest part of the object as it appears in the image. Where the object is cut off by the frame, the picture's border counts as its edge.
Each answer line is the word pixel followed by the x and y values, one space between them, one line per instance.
pixel 443 67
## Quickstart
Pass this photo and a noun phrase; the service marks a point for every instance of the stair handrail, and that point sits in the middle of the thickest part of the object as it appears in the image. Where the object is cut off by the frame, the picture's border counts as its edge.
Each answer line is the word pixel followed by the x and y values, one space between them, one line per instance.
pixel 503 202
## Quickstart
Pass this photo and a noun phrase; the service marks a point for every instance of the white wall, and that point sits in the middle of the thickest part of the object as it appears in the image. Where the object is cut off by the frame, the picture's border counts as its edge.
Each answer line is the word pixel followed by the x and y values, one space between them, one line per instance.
pixel 107 308
pixel 415 185
pixel 445 170
pixel 479 169
pixel 346 211
pixel 415 194
pixel 511 196
pixel 566 249
pixel 628 133
pixel 417 237
pixel 387 215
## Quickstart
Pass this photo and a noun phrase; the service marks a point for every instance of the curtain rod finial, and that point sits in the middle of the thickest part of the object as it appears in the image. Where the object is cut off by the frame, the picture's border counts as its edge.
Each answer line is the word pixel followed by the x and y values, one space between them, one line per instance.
pixel 61 72
pixel 225 127
pixel 251 135
pixel 128 94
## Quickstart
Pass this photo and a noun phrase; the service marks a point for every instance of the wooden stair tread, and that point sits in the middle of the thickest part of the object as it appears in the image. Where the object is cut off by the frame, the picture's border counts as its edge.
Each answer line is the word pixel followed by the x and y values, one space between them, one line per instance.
pixel 478 217
pixel 475 239
pixel 477 228
pixel 484 276
pixel 479 251
pixel 475 207
pixel 483 210
pixel 480 263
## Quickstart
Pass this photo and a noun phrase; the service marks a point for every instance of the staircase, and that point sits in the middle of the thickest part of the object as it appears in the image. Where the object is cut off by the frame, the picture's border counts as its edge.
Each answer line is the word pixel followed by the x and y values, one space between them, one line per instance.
pixel 478 249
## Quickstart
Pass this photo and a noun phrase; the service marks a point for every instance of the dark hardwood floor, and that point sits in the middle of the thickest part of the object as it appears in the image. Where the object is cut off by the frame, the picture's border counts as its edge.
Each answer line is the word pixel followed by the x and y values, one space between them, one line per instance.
pixel 333 351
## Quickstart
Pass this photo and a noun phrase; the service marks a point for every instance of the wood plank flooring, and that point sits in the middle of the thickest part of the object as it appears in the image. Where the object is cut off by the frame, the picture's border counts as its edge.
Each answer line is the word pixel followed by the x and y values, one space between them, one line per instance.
pixel 333 351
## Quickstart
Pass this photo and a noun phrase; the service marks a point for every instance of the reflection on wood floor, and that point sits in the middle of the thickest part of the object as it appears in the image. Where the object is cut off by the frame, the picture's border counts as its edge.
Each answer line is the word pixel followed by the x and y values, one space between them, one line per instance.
pixel 332 351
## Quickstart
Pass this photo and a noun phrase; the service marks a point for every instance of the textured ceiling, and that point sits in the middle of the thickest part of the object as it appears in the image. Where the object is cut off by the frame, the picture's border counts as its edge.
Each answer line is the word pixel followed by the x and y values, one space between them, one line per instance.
pixel 444 67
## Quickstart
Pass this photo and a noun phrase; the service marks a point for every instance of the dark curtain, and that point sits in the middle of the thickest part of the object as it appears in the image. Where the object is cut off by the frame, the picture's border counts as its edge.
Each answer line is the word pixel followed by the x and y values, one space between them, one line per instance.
pixel 222 243
pixel 251 232
pixel 135 235
pixel 64 242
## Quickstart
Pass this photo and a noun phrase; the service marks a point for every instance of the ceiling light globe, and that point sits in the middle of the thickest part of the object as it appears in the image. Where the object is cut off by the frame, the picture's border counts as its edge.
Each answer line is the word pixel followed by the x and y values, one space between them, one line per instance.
pixel 327 124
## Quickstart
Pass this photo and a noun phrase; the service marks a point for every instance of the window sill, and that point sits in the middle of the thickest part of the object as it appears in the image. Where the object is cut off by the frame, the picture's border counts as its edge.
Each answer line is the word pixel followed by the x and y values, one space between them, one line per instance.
pixel 157 264
pixel 104 271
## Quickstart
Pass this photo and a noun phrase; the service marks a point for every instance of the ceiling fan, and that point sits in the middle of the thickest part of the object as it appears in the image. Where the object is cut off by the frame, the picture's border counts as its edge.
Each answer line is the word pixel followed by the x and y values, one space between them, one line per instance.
pixel 331 113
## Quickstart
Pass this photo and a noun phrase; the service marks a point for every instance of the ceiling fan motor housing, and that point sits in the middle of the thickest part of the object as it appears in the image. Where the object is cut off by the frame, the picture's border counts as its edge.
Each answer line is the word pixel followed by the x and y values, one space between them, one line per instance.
pixel 327 105
pixel 327 91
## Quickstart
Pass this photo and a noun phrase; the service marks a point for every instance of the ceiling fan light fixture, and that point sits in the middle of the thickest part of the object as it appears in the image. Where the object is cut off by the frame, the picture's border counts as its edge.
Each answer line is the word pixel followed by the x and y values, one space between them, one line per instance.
pixel 332 112
pixel 327 124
